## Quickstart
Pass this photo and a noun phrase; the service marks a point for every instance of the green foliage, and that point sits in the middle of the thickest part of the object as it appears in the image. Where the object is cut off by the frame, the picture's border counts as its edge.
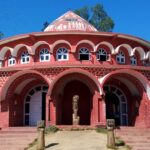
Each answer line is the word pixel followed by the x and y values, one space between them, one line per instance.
pixel 51 129
pixel 83 12
pixel 97 16
pixel 101 130
pixel 1 35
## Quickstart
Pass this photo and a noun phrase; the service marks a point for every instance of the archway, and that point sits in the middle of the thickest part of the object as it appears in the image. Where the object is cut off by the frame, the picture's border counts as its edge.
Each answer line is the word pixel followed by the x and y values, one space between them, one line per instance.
pixel 116 105
pixel 35 104
pixel 76 88
pixel 17 87
pixel 72 80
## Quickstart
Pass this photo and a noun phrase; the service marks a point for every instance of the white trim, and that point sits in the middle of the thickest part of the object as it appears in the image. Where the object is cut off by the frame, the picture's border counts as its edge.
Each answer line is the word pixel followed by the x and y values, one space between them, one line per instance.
pixel 37 44
pixel 62 52
pixel 126 46
pixel 11 61
pixel 4 50
pixel 119 57
pixel 26 57
pixel 59 42
pixel 18 47
pixel 88 42
pixel 109 45
pixel 44 52
pixel 34 88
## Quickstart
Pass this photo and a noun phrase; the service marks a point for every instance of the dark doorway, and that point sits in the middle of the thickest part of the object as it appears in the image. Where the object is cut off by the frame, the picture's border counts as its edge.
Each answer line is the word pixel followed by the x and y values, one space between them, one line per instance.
pixel 43 105
pixel 112 107
pixel 84 112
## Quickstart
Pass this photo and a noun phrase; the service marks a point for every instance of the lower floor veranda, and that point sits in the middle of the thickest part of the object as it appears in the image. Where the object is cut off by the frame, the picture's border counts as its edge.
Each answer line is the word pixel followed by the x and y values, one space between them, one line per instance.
pixel 29 96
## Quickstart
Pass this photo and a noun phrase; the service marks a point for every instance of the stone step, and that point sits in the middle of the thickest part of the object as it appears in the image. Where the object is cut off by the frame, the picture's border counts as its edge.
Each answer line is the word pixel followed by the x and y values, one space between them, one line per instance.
pixel 17 138
pixel 20 129
pixel 137 138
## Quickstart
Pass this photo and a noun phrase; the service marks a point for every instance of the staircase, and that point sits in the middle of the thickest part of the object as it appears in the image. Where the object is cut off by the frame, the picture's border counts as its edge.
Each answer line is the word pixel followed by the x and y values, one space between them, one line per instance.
pixel 17 138
pixel 137 138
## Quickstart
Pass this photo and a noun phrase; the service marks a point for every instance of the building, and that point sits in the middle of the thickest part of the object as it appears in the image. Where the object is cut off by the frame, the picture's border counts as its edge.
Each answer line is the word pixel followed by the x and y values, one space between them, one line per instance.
pixel 41 72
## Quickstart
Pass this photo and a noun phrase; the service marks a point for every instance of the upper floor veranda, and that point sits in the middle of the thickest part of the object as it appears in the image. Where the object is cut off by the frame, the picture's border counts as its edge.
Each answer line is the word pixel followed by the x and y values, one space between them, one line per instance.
pixel 53 48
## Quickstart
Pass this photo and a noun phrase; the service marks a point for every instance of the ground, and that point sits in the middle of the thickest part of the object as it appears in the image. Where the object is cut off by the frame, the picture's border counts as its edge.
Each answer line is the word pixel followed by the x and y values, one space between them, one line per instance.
pixel 73 140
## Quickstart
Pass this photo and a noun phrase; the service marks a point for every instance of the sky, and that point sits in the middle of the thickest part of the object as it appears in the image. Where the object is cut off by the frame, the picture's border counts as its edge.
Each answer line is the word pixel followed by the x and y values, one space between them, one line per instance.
pixel 25 16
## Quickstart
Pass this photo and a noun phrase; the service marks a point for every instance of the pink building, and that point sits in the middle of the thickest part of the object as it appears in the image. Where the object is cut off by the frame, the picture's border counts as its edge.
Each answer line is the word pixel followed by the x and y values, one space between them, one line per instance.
pixel 41 72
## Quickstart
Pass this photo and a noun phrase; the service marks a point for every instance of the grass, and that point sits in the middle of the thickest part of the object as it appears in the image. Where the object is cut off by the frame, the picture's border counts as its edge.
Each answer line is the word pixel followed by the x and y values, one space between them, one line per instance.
pixel 101 130
pixel 51 129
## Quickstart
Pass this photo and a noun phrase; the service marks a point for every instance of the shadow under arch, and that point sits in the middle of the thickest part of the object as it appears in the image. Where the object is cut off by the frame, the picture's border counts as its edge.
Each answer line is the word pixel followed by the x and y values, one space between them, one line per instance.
pixel 17 75
pixel 75 72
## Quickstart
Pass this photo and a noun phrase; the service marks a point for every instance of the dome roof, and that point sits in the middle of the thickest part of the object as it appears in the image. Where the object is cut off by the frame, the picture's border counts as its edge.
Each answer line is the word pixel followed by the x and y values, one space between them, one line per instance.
pixel 70 22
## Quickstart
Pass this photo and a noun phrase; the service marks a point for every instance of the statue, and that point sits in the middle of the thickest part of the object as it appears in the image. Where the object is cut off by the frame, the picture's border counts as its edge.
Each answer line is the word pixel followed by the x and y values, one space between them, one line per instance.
pixel 75 117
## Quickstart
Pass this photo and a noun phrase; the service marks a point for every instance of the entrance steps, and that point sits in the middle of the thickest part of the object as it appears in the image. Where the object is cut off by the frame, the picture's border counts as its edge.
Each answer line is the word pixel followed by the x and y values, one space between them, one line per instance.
pixel 137 138
pixel 17 138
pixel 75 127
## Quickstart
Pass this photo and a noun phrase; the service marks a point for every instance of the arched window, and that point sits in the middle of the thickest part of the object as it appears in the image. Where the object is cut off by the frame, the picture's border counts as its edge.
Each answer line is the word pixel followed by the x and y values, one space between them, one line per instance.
pixel 11 61
pixel 1 63
pixel 102 55
pixel 62 54
pixel 25 58
pixel 44 55
pixel 133 60
pixel 84 54
pixel 120 58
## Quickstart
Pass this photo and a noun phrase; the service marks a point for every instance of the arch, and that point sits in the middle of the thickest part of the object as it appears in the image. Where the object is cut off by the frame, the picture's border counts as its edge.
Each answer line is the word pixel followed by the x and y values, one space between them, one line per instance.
pixel 147 56
pixel 88 42
pixel 15 76
pixel 128 47
pixel 3 51
pixel 37 44
pixel 72 71
pixel 140 50
pixel 109 45
pixel 123 115
pixel 141 78
pixel 17 48
pixel 59 42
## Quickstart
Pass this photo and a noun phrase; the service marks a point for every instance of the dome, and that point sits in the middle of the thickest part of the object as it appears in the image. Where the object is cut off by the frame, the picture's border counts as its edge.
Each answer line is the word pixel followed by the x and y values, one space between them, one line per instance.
pixel 70 22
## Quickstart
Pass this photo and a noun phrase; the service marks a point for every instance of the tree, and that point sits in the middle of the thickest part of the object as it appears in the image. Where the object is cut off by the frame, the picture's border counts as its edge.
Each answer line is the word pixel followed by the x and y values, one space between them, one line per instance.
pixel 83 12
pixel 97 16
pixel 1 35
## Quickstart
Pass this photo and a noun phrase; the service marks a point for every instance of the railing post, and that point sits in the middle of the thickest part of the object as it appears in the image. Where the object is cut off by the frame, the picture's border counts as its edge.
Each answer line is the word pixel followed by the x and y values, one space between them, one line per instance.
pixel 41 137
pixel 110 133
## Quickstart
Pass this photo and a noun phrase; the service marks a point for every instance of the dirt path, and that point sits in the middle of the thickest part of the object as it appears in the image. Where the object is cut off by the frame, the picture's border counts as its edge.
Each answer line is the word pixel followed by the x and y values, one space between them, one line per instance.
pixel 75 140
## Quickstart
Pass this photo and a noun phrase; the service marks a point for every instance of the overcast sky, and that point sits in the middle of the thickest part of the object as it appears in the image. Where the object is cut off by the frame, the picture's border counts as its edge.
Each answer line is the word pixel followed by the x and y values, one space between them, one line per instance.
pixel 25 16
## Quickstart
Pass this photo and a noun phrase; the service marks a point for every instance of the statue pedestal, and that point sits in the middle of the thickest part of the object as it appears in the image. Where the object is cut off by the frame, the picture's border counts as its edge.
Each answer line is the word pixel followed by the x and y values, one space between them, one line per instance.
pixel 76 119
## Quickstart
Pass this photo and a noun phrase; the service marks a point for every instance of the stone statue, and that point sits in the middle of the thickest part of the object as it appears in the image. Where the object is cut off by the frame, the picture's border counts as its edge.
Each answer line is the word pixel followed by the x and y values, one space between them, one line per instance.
pixel 75 117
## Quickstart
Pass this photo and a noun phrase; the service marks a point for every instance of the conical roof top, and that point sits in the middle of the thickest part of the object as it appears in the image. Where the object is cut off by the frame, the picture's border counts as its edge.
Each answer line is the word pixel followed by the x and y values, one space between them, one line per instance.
pixel 70 22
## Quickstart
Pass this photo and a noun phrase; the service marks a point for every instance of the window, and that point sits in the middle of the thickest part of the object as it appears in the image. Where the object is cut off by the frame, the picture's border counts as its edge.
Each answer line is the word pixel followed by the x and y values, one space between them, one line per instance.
pixel 120 58
pixel 44 55
pixel 102 55
pixel 1 63
pixel 84 54
pixel 133 60
pixel 11 61
pixel 62 54
pixel 25 58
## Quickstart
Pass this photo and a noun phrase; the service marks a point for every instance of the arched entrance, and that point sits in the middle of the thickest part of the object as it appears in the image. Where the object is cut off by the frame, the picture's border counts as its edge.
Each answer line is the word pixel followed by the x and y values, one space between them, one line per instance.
pixel 34 105
pixel 15 91
pixel 76 88
pixel 116 105
pixel 64 87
